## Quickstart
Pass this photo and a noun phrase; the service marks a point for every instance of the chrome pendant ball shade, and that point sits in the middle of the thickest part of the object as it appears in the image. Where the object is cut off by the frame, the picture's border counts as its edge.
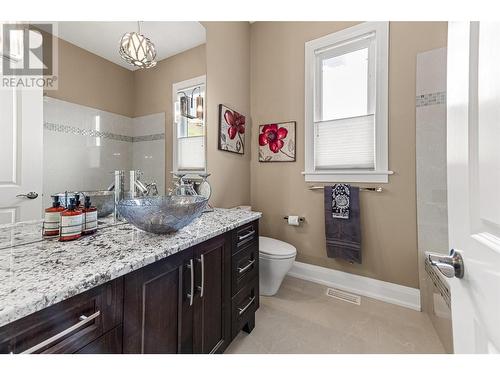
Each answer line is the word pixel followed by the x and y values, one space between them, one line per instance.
pixel 138 50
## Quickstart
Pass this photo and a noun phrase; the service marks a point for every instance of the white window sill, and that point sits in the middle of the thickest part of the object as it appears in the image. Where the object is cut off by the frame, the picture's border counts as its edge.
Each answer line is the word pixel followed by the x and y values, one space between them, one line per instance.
pixel 348 176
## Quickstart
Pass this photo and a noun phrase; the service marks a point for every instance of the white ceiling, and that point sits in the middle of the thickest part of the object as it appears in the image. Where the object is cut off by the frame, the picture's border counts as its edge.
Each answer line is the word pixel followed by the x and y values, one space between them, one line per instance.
pixel 102 38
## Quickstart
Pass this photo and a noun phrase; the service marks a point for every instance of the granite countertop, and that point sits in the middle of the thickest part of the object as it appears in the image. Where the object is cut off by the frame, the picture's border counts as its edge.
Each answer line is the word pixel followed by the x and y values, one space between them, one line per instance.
pixel 38 274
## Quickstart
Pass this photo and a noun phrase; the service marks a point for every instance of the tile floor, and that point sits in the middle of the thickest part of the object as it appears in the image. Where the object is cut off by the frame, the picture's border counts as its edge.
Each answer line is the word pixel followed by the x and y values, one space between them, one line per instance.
pixel 300 318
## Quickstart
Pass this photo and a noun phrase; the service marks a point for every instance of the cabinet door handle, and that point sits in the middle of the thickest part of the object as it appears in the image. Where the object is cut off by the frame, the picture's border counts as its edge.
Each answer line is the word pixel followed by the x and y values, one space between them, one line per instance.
pixel 202 286
pixel 245 236
pixel 83 320
pixel 244 269
pixel 243 309
pixel 191 294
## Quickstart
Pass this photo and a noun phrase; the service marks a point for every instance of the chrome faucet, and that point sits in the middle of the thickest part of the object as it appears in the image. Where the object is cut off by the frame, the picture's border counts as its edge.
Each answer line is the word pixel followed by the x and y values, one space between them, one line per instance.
pixel 137 188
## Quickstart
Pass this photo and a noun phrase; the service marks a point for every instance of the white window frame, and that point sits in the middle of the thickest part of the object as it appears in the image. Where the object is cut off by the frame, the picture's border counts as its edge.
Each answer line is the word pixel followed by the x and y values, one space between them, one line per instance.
pixel 381 172
pixel 179 86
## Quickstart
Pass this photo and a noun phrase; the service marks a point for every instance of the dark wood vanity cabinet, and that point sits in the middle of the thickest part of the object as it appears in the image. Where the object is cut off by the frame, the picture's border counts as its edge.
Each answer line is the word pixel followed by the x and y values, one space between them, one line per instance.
pixel 212 303
pixel 182 303
pixel 69 326
pixel 157 317
pixel 195 301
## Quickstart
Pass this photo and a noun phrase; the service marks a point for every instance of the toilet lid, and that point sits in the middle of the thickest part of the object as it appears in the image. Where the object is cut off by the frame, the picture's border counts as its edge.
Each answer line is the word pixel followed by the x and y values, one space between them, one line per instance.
pixel 276 248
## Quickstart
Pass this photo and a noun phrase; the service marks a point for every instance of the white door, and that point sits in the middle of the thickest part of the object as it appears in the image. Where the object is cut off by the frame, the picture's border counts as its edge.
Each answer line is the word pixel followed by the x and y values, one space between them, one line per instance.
pixel 473 104
pixel 21 146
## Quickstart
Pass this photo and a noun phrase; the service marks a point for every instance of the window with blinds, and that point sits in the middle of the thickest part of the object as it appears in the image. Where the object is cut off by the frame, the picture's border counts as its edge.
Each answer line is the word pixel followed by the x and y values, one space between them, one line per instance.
pixel 346 105
pixel 189 126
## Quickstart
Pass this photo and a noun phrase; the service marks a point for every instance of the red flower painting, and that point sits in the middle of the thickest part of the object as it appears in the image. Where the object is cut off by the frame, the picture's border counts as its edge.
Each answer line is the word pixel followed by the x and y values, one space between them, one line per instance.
pixel 231 130
pixel 236 123
pixel 277 142
pixel 273 136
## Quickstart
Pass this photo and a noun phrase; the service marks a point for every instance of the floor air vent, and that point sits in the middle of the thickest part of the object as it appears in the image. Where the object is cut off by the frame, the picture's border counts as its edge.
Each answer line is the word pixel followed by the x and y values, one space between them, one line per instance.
pixel 343 296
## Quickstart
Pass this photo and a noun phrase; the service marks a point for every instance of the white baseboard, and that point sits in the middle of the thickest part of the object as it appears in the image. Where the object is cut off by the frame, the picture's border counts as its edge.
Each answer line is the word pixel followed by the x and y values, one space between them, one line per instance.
pixel 365 286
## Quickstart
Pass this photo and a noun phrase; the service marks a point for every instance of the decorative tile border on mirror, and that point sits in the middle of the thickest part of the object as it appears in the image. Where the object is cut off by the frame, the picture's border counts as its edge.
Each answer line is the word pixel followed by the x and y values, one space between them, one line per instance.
pixel 431 99
pixel 95 133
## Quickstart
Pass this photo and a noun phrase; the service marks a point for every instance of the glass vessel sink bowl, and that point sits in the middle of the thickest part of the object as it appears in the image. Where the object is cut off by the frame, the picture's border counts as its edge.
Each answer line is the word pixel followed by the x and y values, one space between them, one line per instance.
pixel 162 214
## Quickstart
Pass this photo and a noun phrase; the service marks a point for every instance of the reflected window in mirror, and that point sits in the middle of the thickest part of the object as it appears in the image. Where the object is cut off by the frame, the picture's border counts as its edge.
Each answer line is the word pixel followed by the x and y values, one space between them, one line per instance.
pixel 189 126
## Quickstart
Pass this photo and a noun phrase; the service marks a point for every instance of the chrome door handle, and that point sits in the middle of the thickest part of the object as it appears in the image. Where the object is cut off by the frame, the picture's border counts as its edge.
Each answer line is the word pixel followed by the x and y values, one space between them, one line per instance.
pixel 243 309
pixel 83 320
pixel 201 288
pixel 244 269
pixel 449 265
pixel 30 195
pixel 244 237
pixel 191 294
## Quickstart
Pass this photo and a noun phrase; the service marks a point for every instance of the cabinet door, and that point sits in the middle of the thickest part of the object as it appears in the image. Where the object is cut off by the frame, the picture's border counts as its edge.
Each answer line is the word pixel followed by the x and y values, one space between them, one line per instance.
pixel 157 315
pixel 212 314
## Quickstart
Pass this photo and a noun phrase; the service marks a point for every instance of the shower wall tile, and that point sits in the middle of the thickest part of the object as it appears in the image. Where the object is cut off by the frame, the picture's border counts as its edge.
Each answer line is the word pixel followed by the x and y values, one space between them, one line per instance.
pixel 84 145
pixel 432 209
pixel 148 148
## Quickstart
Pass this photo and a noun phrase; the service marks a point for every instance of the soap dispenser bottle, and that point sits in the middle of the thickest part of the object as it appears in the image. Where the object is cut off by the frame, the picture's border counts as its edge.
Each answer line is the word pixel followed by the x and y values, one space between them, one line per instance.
pixel 89 217
pixel 52 218
pixel 71 223
pixel 78 205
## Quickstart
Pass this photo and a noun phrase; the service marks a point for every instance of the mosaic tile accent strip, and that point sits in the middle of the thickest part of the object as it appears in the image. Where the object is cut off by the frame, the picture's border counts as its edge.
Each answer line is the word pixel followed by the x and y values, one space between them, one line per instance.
pixel 431 99
pixel 438 282
pixel 61 128
pixel 150 137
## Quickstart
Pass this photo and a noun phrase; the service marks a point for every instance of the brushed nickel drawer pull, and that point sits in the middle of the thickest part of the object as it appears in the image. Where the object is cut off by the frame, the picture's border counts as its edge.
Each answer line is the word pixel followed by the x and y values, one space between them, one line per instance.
pixel 83 320
pixel 244 269
pixel 202 287
pixel 243 309
pixel 244 237
pixel 191 294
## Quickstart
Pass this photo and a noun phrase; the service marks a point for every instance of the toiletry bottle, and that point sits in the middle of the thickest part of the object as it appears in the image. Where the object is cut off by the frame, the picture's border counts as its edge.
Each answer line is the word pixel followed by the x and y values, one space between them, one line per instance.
pixel 52 218
pixel 71 223
pixel 89 217
pixel 78 204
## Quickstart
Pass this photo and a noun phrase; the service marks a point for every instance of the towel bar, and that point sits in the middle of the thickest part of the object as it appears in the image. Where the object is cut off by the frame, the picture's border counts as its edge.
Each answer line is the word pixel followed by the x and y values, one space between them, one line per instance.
pixel 377 189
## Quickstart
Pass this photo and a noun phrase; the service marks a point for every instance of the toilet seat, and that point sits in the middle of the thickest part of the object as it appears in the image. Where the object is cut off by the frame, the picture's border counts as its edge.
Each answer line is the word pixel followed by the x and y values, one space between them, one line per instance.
pixel 271 248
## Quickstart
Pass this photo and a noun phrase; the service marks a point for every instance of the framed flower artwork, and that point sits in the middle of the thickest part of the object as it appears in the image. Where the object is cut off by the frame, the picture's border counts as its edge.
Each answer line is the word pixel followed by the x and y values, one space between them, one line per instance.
pixel 231 130
pixel 277 142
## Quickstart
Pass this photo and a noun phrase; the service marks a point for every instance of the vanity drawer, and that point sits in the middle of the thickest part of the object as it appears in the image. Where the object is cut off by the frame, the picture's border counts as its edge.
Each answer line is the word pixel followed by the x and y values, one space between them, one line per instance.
pixel 244 305
pixel 68 326
pixel 244 235
pixel 245 267
pixel 109 343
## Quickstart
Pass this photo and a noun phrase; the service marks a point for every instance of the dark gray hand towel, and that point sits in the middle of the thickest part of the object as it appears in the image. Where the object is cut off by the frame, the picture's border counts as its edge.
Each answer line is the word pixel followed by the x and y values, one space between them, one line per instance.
pixel 343 235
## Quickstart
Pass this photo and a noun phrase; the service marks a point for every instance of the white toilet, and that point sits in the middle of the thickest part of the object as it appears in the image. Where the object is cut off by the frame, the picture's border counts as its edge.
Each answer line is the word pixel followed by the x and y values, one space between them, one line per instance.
pixel 275 260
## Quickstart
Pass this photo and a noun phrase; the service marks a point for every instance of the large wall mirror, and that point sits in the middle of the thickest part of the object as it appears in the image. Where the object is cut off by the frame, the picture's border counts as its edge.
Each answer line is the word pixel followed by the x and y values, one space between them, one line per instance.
pixel 106 114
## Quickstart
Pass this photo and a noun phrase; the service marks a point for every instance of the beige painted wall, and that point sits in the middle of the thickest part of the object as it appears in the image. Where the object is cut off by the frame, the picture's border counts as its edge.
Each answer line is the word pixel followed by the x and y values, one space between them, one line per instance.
pixel 153 91
pixel 90 80
pixel 389 229
pixel 228 83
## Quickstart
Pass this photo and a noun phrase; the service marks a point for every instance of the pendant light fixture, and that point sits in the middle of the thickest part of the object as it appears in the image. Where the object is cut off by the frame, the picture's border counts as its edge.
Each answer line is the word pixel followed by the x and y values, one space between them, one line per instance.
pixel 138 50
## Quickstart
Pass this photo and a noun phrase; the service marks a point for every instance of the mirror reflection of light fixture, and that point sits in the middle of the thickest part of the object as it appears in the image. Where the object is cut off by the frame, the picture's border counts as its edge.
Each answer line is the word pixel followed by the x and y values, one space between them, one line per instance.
pixel 138 50
pixel 199 107
pixel 187 102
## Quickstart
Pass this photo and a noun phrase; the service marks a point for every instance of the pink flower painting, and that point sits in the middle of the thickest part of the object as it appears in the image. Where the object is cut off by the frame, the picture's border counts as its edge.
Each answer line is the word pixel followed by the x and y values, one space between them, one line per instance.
pixel 277 142
pixel 231 130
